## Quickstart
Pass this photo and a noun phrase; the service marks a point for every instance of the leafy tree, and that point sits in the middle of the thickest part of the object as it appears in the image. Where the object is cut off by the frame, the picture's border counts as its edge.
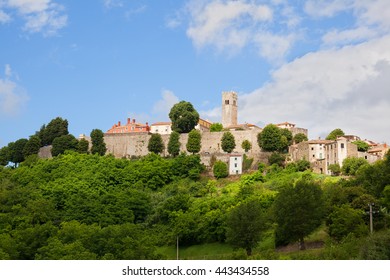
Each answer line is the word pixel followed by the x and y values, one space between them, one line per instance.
pixel 220 169
pixel 246 163
pixel 352 164
pixel 276 158
pixel 345 220
pixel 156 144
pixel 245 224
pixel 298 211
pixel 216 127
pixel 227 142
pixel 299 137
pixel 4 156
pixel 64 143
pixel 271 139
pixel 361 145
pixel 246 145
pixel 32 146
pixel 174 144
pixel 335 169
pixel 83 146
pixel 376 246
pixel 374 177
pixel 194 141
pixel 303 165
pixel 184 117
pixel 55 128
pixel 98 144
pixel 334 134
pixel 289 137
pixel 16 149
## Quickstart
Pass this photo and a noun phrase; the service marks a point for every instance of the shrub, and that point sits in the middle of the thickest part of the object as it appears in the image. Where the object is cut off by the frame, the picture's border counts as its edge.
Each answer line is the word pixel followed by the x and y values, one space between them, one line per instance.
pixel 220 169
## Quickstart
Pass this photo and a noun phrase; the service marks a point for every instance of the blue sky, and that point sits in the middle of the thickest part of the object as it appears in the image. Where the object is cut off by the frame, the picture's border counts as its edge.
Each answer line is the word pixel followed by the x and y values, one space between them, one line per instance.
pixel 319 64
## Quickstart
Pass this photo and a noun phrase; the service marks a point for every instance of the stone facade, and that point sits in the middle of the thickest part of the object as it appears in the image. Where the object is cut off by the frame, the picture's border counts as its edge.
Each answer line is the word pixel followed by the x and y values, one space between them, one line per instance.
pixel 126 145
pixel 229 109
pixel 292 127
pixel 129 127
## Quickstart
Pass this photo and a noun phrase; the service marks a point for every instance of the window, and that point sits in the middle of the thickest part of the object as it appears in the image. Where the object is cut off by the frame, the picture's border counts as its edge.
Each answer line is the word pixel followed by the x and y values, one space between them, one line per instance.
pixel 234 102
pixel 226 102
pixel 235 159
pixel 312 148
pixel 342 145
pixel 235 165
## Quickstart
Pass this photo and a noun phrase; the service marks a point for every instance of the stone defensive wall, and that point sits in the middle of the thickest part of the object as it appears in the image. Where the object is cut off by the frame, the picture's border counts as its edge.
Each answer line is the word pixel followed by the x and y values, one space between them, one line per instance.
pixel 126 145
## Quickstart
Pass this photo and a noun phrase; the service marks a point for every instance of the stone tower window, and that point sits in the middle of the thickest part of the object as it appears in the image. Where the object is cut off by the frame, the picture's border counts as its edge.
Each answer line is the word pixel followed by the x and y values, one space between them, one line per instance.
pixel 226 102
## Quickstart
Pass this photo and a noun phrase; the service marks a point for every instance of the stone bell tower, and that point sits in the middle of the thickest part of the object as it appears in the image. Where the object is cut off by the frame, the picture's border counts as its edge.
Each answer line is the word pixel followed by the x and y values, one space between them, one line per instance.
pixel 229 108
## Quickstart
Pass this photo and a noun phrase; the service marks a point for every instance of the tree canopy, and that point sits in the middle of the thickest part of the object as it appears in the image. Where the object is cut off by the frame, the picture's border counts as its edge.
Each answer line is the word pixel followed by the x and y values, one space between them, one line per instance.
pixel 334 134
pixel 299 210
pixel 194 141
pixel 299 137
pixel 156 144
pixel 361 145
pixel 245 224
pixel 227 142
pixel 216 127
pixel 98 144
pixel 174 144
pixel 273 139
pixel 55 128
pixel 184 117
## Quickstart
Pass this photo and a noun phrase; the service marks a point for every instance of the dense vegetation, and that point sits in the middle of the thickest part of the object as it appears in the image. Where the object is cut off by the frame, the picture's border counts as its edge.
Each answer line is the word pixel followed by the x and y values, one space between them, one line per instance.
pixel 83 206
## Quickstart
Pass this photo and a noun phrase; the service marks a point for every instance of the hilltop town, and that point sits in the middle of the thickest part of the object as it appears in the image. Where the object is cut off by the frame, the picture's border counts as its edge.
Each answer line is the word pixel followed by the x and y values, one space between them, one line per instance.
pixel 131 140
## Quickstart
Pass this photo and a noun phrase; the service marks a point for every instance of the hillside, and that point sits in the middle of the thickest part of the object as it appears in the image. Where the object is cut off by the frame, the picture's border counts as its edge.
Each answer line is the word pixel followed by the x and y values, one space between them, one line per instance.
pixel 81 206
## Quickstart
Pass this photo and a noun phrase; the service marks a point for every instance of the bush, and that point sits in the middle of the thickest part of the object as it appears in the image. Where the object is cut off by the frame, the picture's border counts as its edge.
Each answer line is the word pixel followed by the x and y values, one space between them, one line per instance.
pixel 276 158
pixel 220 169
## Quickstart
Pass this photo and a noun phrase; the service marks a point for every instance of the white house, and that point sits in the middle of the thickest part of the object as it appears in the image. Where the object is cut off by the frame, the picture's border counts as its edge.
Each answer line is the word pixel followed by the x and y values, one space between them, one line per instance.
pixel 161 128
pixel 235 164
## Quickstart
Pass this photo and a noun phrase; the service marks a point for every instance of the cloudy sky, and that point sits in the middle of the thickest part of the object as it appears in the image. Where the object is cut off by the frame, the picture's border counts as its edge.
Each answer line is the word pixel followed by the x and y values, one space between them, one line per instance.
pixel 321 64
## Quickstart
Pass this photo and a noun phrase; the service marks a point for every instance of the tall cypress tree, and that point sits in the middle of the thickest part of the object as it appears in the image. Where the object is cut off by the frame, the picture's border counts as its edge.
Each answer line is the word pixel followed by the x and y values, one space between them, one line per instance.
pixel 98 145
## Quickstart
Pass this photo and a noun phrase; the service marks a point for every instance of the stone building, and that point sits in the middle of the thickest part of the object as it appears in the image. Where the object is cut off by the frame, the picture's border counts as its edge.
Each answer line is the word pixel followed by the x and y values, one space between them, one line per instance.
pixel 229 109
pixel 129 127
pixel 322 153
pixel 235 164
pixel 166 127
pixel 292 127
pixel 161 128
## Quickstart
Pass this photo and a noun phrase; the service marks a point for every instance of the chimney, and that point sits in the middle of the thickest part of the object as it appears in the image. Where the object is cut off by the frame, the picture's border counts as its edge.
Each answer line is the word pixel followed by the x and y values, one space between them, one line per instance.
pixel 128 120
pixel 119 123
pixel 133 120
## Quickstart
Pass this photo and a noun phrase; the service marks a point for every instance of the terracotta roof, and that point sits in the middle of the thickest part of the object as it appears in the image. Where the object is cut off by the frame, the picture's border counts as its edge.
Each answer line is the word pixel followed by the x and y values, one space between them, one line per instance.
pixel 162 123
pixel 285 123
pixel 320 141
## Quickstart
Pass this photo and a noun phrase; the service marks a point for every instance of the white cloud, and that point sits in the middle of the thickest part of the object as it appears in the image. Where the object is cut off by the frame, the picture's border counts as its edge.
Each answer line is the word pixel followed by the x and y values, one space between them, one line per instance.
pixel 4 18
pixel 229 26
pixel 274 47
pixel 372 19
pixel 164 105
pixel 12 96
pixel 326 8
pixel 8 71
pixel 43 16
pixel 346 88
pixel 112 3
pixel 350 36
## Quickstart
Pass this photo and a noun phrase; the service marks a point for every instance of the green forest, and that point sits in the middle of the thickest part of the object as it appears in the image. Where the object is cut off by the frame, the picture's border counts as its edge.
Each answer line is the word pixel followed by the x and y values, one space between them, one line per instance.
pixel 88 206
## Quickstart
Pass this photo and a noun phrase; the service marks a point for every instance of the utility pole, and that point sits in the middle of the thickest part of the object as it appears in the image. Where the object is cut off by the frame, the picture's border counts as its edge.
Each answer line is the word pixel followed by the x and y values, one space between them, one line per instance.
pixel 371 224
pixel 177 247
